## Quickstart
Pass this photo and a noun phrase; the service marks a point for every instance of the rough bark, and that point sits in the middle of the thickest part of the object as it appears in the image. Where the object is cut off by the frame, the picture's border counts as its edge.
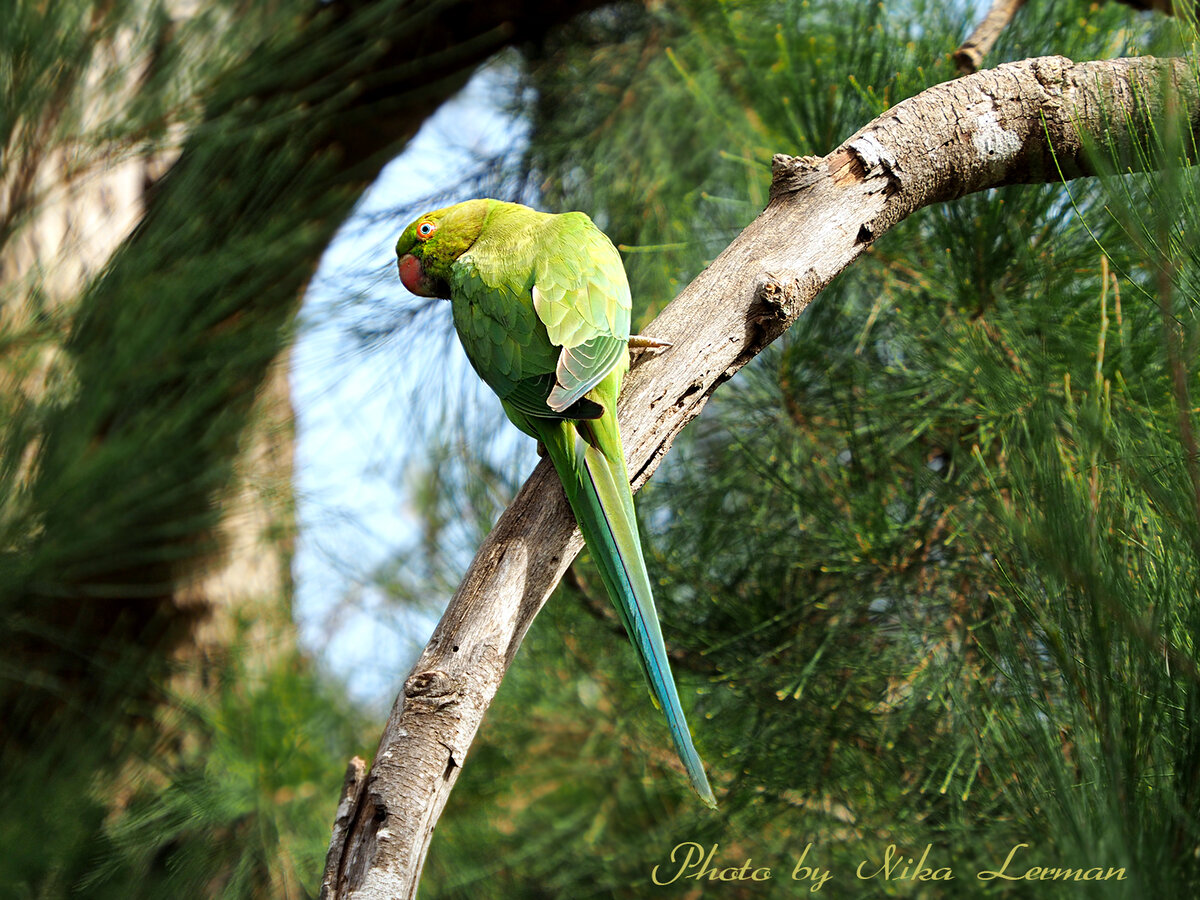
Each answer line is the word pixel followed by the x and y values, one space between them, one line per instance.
pixel 1020 123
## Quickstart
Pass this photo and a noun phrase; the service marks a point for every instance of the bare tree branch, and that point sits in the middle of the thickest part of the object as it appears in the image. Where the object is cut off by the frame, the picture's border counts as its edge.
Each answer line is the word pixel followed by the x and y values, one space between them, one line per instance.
pixel 969 56
pixel 1020 123
pixel 972 51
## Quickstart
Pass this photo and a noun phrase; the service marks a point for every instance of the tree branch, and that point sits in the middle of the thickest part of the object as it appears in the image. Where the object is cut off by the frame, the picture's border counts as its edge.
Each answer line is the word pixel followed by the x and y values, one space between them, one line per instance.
pixel 1020 123
pixel 972 51
pixel 969 56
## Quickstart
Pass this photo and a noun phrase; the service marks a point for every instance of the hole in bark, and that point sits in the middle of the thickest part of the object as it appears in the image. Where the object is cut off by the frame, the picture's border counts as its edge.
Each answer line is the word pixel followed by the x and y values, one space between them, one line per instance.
pixel 695 388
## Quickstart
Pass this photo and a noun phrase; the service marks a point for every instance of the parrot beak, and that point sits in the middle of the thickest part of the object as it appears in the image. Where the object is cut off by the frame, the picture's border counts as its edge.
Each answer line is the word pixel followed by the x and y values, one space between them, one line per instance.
pixel 412 276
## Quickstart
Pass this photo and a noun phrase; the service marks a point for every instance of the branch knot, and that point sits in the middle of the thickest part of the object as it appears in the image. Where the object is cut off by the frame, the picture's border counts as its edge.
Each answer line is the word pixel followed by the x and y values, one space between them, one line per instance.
pixel 792 174
pixel 778 299
pixel 433 688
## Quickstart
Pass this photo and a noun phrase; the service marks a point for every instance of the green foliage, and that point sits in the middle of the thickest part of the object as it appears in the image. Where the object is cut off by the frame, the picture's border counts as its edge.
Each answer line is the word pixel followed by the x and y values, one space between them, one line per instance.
pixel 245 810
pixel 928 563
pixel 230 795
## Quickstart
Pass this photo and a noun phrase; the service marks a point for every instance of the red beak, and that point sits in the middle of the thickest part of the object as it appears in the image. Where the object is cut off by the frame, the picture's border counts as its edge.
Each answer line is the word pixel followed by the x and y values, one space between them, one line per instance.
pixel 412 276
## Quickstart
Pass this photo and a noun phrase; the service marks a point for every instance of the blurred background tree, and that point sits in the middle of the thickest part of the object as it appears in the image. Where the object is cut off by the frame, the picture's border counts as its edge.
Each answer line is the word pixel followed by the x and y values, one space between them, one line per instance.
pixel 927 566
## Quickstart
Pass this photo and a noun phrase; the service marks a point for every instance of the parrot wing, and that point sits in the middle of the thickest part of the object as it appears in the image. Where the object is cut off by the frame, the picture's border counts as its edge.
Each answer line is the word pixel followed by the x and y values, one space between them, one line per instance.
pixel 529 397
pixel 501 333
pixel 581 295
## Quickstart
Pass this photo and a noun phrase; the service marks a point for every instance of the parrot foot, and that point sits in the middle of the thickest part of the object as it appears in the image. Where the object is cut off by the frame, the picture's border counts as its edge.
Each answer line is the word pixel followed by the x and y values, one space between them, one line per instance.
pixel 639 345
pixel 541 450
pixel 640 342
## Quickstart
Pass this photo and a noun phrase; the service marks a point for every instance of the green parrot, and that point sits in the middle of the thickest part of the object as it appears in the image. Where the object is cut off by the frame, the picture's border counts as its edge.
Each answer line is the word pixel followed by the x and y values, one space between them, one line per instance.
pixel 542 307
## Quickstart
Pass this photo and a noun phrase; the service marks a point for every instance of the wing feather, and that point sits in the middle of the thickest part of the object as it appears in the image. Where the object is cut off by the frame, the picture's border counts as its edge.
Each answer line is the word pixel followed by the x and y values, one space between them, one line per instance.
pixel 582 367
pixel 582 297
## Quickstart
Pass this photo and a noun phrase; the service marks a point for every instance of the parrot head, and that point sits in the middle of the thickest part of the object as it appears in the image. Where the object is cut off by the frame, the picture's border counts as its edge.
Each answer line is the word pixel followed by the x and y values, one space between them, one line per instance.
pixel 432 242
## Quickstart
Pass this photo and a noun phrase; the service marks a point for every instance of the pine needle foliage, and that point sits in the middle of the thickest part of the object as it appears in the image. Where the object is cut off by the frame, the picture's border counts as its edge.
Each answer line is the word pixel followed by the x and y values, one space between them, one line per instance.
pixel 929 563
pixel 243 809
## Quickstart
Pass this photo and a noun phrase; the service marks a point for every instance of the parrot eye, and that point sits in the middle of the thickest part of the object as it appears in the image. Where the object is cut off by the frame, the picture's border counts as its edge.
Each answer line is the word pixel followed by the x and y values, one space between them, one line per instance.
pixel 425 229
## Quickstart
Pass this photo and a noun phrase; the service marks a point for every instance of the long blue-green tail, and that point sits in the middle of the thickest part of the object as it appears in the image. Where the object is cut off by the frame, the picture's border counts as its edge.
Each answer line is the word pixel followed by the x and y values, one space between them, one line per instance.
pixel 597 486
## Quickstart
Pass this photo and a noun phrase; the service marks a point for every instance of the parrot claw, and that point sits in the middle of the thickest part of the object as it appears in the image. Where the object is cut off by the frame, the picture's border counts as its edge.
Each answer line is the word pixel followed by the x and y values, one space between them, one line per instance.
pixel 542 452
pixel 640 342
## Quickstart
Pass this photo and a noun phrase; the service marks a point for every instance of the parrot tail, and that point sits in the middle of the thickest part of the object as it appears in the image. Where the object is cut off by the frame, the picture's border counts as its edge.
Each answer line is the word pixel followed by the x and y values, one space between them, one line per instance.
pixel 597 487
